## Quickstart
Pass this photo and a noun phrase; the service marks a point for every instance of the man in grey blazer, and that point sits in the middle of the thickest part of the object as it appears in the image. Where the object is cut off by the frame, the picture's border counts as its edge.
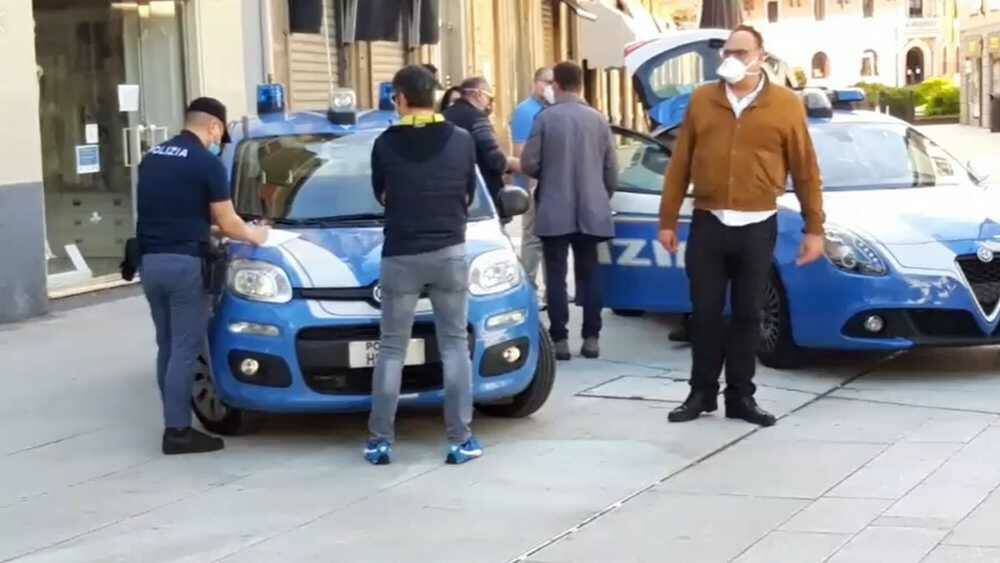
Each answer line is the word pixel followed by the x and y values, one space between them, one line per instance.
pixel 572 154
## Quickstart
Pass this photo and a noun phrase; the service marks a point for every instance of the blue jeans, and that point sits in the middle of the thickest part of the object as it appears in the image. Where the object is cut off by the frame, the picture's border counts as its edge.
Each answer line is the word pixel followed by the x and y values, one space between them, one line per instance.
pixel 445 275
pixel 176 295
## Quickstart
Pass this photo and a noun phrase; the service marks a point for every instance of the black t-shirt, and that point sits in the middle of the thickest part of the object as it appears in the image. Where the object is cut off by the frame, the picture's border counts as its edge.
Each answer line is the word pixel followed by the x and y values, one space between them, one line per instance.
pixel 178 180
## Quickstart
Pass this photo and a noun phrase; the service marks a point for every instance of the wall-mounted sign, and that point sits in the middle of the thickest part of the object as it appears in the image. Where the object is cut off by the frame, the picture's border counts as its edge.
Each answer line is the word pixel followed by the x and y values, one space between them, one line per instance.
pixel 88 159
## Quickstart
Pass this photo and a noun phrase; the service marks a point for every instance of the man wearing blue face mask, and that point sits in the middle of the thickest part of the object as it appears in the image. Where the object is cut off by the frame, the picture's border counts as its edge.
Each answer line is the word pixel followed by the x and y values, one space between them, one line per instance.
pixel 183 190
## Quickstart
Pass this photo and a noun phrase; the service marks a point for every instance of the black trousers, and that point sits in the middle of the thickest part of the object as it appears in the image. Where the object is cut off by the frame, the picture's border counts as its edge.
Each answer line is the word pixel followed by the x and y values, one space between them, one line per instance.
pixel 719 258
pixel 588 283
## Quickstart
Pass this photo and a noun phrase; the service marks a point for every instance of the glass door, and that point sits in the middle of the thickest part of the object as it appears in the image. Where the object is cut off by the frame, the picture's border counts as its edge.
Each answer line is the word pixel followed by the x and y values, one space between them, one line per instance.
pixel 111 79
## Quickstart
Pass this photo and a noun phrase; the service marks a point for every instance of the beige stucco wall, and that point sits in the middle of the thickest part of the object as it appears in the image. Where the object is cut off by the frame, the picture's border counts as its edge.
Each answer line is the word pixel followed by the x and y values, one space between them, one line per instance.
pixel 215 44
pixel 20 146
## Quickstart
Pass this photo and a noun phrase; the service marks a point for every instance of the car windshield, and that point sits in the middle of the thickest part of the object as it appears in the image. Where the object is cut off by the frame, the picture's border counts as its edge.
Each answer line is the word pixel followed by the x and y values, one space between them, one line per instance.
pixel 856 156
pixel 314 178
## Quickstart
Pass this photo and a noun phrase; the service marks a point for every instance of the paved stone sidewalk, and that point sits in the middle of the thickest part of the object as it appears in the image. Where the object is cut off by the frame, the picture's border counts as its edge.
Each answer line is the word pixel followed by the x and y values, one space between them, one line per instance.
pixel 900 465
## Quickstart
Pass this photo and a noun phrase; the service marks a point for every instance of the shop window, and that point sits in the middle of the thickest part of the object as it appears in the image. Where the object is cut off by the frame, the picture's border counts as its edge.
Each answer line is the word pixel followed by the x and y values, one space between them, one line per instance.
pixel 868 8
pixel 916 8
pixel 772 11
pixel 305 16
pixel 820 65
pixel 819 7
pixel 869 63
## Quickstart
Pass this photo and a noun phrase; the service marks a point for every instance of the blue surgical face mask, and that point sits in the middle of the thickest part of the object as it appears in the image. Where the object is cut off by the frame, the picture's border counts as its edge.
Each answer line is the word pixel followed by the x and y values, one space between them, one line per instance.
pixel 215 149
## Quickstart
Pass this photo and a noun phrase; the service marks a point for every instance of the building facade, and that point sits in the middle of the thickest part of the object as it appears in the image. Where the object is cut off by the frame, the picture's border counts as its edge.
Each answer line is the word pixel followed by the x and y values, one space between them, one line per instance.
pixel 91 85
pixel 843 42
pixel 980 60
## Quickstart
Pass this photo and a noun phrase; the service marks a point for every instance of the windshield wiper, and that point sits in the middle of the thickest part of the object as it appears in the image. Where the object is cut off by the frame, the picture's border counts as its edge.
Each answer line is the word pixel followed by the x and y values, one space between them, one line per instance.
pixel 332 219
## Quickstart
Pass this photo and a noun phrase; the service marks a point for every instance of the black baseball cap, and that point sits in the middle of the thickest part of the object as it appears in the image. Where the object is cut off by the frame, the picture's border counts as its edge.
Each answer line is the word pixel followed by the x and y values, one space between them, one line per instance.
pixel 216 109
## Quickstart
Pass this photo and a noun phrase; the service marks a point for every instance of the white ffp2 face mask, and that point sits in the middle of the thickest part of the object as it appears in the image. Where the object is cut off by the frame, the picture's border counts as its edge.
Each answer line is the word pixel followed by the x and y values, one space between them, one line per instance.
pixel 549 94
pixel 733 70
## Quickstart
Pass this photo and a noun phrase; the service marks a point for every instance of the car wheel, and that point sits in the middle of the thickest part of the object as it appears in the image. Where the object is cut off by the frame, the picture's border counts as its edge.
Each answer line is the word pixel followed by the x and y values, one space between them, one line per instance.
pixel 628 312
pixel 527 402
pixel 777 349
pixel 216 416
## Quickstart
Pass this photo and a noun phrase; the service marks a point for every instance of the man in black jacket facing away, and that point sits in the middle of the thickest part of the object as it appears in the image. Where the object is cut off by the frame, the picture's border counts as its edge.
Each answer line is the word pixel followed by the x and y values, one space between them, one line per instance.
pixel 424 173
pixel 472 113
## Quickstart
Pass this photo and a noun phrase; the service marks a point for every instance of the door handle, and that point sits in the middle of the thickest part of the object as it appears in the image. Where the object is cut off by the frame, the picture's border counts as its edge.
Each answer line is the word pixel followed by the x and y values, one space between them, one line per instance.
pixel 126 148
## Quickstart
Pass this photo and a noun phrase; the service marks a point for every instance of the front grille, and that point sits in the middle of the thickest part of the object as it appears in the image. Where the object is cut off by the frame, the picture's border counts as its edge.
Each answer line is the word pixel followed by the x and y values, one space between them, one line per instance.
pixel 323 354
pixel 946 323
pixel 984 277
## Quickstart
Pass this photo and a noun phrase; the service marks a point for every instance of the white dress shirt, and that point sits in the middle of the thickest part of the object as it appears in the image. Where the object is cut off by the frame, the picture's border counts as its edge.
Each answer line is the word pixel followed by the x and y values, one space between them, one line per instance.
pixel 733 217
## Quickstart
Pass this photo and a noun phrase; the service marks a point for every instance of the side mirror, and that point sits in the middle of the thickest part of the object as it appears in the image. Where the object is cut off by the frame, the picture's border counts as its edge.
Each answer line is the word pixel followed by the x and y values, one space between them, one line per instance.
pixel 514 201
pixel 979 169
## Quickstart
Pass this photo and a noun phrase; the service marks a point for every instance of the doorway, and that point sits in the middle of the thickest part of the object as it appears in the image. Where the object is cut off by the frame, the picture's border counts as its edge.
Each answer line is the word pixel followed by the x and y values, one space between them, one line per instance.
pixel 914 66
pixel 111 81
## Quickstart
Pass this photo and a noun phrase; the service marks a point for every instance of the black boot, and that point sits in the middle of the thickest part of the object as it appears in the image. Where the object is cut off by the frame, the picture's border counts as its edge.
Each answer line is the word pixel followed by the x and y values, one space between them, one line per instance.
pixel 189 441
pixel 696 403
pixel 746 408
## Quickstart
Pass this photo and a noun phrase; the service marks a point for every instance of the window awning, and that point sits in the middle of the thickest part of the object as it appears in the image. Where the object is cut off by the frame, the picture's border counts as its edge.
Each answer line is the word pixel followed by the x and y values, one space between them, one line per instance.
pixel 603 39
pixel 580 10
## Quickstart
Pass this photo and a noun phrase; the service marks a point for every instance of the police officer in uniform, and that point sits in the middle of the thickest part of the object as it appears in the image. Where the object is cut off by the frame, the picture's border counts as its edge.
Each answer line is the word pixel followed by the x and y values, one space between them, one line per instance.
pixel 183 190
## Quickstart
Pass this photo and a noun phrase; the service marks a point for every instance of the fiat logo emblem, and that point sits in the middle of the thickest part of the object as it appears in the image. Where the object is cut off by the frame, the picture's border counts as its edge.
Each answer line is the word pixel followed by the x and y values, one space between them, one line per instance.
pixel 984 254
pixel 377 293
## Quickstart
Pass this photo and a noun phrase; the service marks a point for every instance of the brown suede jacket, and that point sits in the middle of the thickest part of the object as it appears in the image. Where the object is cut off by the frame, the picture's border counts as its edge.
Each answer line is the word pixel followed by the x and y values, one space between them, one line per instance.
pixel 742 164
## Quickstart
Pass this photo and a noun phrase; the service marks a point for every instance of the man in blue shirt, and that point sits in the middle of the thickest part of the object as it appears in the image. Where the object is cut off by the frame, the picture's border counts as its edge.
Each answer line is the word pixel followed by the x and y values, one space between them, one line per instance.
pixel 183 189
pixel 521 121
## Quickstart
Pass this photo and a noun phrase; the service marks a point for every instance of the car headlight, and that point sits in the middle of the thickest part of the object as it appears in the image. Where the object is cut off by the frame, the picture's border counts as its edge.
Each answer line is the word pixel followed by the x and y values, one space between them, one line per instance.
pixel 259 281
pixel 494 272
pixel 851 253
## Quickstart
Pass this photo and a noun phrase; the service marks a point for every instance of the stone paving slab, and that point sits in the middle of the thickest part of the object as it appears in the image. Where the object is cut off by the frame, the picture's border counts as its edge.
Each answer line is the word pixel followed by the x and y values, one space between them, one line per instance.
pixel 982 527
pixel 896 471
pixel 961 554
pixel 752 467
pixel 883 545
pixel 800 547
pixel 690 528
pixel 837 516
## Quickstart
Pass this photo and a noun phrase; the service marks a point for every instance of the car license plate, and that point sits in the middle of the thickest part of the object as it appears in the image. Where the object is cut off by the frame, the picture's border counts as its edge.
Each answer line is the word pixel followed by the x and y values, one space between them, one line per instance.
pixel 363 354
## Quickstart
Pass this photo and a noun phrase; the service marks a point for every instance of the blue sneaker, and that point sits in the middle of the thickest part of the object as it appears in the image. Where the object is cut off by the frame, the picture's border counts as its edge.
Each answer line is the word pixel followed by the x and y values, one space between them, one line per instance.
pixel 378 452
pixel 461 453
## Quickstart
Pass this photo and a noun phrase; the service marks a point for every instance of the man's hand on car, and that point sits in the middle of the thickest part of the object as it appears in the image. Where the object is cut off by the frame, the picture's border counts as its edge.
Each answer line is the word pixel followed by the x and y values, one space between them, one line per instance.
pixel 811 249
pixel 668 238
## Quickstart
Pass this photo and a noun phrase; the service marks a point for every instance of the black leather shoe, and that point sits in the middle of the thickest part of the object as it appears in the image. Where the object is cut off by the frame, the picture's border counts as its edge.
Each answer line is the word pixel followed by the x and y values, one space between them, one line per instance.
pixel 696 403
pixel 189 441
pixel 680 332
pixel 746 409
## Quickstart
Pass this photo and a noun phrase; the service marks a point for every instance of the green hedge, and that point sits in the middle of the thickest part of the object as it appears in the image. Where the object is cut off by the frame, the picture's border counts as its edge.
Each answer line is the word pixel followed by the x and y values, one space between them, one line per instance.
pixel 938 96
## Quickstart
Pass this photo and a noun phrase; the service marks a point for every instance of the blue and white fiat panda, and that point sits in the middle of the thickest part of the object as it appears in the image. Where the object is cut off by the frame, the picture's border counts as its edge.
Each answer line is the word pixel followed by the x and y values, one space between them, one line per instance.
pixel 295 323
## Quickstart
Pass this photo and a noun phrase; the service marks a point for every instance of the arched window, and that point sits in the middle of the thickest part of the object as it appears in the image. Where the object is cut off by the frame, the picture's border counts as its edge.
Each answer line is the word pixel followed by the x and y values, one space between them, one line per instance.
pixel 820 65
pixel 869 63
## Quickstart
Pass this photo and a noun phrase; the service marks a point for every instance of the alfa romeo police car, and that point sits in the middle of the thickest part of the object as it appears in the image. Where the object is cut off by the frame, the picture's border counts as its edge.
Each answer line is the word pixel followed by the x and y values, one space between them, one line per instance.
pixel 911 236
pixel 295 323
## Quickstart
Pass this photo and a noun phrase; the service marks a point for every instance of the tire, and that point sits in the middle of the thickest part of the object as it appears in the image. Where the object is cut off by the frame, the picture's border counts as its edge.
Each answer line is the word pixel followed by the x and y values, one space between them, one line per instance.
pixel 628 312
pixel 777 348
pixel 528 402
pixel 216 416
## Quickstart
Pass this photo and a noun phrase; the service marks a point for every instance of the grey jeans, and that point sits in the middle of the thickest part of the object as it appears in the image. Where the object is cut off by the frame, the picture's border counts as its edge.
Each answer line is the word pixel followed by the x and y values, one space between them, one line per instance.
pixel 173 287
pixel 531 245
pixel 444 274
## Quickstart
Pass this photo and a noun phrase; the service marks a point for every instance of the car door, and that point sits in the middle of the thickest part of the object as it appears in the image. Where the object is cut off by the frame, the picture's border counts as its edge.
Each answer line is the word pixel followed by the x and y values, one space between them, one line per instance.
pixel 638 274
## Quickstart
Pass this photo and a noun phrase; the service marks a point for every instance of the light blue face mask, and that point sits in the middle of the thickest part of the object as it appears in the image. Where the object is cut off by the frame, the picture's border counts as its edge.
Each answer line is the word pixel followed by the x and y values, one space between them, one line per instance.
pixel 215 148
